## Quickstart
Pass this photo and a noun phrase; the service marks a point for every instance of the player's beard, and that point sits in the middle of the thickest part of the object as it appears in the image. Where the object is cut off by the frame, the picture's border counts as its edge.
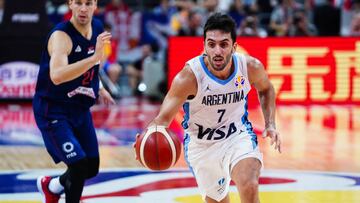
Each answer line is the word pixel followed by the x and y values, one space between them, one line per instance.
pixel 221 67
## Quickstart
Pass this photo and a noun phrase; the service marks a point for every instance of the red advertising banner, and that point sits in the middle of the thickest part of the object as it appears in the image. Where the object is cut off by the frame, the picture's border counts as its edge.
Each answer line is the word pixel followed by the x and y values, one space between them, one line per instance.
pixel 302 70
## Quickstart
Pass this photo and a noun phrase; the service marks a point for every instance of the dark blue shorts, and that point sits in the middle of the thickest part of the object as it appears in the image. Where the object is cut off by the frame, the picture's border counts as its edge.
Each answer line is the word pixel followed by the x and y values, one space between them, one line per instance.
pixel 68 133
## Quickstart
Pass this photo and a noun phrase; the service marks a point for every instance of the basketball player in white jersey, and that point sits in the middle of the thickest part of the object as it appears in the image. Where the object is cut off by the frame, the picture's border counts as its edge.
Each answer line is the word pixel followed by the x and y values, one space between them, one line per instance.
pixel 219 143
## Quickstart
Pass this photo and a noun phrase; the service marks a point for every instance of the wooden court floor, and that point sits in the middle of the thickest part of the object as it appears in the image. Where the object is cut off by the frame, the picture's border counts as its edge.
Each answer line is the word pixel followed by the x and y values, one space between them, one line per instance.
pixel 318 141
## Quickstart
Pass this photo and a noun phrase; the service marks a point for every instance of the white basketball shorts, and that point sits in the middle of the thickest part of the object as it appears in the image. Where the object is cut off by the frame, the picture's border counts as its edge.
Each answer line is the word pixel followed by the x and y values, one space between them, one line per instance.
pixel 211 163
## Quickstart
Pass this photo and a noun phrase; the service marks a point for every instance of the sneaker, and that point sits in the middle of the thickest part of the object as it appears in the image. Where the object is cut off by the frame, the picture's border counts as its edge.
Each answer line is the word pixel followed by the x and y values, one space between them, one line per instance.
pixel 43 187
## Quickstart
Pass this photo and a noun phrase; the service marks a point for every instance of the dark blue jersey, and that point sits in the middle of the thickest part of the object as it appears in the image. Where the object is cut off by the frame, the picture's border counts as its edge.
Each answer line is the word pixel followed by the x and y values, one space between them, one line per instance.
pixel 81 91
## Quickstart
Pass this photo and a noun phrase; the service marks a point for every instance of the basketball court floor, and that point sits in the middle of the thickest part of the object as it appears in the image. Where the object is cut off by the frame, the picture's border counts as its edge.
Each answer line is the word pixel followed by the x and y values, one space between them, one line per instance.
pixel 320 160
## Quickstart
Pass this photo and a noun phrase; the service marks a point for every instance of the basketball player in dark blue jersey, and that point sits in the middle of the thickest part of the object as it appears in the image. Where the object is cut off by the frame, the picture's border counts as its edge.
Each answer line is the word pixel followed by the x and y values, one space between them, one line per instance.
pixel 67 86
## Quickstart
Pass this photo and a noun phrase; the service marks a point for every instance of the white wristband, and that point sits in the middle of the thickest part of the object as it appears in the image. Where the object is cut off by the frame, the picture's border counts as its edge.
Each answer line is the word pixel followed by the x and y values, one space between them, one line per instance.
pixel 100 84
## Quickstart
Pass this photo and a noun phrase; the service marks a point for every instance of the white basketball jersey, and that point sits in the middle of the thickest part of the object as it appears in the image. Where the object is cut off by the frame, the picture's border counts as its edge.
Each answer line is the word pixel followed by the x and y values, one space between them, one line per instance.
pixel 219 109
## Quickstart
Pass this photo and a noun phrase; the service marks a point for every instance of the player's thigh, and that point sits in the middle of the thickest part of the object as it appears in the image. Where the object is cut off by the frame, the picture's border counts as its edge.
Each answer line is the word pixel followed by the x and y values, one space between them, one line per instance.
pixel 245 170
pixel 87 136
pixel 60 140
pixel 211 175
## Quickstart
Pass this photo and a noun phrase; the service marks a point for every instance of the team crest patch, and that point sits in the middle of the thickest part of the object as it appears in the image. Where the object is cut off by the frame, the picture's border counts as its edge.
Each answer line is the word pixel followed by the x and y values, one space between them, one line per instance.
pixel 239 82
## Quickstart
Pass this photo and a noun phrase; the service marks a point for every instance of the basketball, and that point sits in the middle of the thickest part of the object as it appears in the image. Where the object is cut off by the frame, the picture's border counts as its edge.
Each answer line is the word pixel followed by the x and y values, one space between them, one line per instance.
pixel 157 148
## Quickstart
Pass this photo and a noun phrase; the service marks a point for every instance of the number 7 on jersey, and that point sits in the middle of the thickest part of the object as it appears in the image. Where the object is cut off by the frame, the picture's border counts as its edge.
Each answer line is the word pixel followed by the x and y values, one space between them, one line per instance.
pixel 221 112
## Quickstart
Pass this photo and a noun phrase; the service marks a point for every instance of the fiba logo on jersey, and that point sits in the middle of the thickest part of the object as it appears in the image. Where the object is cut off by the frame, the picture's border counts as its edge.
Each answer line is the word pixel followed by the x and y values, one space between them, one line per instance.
pixel 68 147
pixel 239 82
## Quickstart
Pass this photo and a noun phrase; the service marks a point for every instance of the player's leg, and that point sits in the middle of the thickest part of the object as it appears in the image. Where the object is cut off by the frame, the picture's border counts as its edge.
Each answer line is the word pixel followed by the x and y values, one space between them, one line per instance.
pixel 245 165
pixel 246 174
pixel 62 145
pixel 73 180
pixel 206 161
pixel 86 135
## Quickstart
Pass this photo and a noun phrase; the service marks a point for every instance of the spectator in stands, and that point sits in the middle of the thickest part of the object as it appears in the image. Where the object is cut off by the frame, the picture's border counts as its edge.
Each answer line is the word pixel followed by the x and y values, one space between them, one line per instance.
pixel 348 12
pixel 327 19
pixel 125 30
pixel 57 11
pixel 281 17
pixel 207 7
pixel 355 26
pixel 250 27
pixel 192 27
pixel 181 15
pixel 264 10
pixel 237 12
pixel 159 24
pixel 301 26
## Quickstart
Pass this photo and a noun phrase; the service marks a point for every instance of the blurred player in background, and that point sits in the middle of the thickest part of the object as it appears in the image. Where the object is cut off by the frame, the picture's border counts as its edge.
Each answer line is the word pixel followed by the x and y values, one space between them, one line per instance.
pixel 219 142
pixel 67 86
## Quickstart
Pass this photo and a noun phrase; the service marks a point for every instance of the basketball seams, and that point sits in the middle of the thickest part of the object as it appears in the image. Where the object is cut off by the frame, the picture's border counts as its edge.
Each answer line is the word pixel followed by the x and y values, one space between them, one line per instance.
pixel 162 129
pixel 167 138
pixel 142 146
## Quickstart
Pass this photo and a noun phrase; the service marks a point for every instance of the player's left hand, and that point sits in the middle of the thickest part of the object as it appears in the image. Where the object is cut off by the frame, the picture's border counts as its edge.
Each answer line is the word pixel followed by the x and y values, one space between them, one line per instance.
pixel 274 136
pixel 105 97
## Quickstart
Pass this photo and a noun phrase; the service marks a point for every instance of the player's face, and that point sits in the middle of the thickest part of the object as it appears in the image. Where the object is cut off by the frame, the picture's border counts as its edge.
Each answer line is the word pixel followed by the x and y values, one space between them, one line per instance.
pixel 82 10
pixel 218 48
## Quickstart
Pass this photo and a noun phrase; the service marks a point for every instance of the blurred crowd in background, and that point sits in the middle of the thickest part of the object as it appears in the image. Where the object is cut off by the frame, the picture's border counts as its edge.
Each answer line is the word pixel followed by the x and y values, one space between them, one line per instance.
pixel 140 29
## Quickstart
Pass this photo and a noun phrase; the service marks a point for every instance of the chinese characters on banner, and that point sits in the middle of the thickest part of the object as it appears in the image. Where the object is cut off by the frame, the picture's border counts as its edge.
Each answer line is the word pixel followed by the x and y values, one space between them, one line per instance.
pixel 302 70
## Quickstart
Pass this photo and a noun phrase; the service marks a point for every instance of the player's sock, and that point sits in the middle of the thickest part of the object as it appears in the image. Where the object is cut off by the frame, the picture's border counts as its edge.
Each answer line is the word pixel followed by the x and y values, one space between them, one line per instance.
pixel 55 186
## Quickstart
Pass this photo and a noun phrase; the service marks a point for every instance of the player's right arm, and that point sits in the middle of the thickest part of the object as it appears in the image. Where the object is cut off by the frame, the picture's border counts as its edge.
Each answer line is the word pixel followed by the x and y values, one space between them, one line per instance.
pixel 183 86
pixel 59 47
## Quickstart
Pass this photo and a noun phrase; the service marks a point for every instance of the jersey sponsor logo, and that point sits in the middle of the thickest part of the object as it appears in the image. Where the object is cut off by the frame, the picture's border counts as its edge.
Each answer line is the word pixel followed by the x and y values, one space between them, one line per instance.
pixel 78 49
pixel 239 82
pixel 219 99
pixel 216 133
pixel 87 91
pixel 68 148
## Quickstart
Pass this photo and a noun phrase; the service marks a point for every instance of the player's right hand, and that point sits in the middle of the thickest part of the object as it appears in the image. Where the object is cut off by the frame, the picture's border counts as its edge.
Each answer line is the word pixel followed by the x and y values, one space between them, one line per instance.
pixel 101 40
pixel 134 145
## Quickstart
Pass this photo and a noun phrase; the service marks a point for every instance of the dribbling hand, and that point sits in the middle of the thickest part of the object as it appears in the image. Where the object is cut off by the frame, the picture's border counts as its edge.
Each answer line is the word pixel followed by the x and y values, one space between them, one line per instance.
pixel 274 136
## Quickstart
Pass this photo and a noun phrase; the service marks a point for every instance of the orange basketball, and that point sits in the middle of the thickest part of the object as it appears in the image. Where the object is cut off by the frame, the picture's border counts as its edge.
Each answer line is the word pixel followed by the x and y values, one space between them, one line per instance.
pixel 157 148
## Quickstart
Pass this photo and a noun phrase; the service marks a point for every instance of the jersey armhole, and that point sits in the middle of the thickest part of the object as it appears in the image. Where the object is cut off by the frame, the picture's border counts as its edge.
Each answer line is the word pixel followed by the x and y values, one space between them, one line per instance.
pixel 197 76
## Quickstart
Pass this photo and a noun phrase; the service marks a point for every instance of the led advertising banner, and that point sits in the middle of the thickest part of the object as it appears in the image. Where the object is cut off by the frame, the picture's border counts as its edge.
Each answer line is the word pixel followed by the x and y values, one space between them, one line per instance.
pixel 302 70
pixel 23 33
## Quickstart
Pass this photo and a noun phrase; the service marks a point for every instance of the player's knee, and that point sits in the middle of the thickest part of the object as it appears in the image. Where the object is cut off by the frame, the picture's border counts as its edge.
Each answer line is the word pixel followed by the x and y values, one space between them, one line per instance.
pixel 93 167
pixel 79 169
pixel 249 185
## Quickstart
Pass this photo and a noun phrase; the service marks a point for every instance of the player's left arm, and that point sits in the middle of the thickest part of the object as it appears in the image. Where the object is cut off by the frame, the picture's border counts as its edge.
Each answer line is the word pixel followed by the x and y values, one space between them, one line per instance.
pixel 266 93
